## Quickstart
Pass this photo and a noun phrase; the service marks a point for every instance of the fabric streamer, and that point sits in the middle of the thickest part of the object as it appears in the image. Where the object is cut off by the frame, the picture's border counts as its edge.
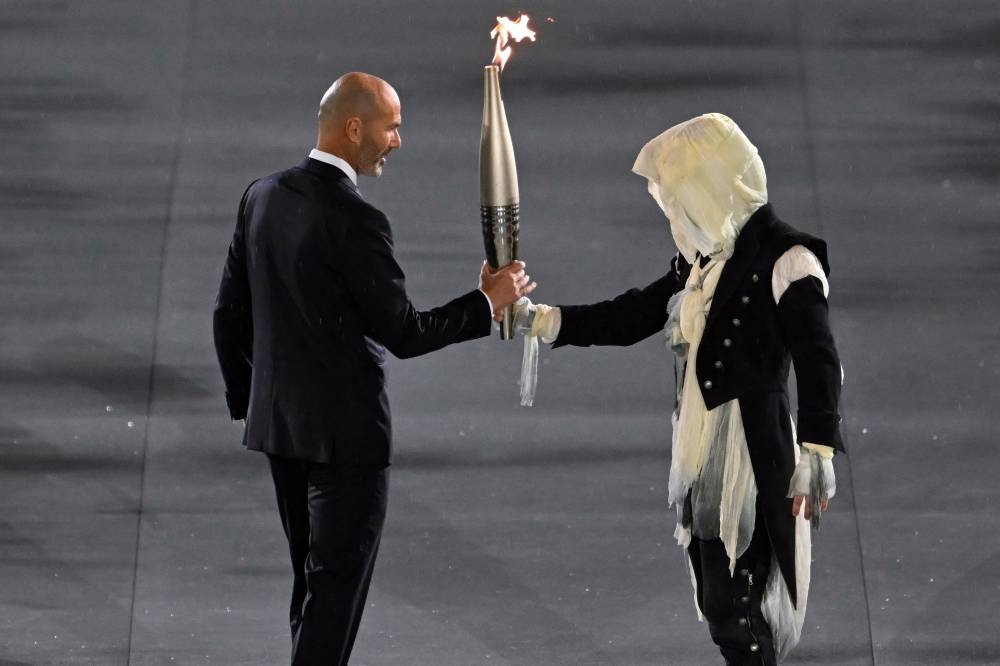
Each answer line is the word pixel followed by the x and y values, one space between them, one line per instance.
pixel 787 620
pixel 535 321
pixel 529 370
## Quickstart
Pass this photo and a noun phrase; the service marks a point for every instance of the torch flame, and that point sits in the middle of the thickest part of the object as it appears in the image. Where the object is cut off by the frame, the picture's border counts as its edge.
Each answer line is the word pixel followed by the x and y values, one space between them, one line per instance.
pixel 506 30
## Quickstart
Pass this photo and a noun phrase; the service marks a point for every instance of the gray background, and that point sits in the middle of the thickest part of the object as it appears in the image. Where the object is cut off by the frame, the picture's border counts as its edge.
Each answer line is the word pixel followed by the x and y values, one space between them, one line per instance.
pixel 134 529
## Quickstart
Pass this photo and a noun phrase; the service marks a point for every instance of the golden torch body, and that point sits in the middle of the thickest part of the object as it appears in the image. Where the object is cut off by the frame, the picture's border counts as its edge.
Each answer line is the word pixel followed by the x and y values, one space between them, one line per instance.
pixel 498 194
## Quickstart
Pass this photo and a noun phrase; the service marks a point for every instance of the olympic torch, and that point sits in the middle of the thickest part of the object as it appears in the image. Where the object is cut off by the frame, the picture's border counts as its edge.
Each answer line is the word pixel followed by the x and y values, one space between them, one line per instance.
pixel 498 195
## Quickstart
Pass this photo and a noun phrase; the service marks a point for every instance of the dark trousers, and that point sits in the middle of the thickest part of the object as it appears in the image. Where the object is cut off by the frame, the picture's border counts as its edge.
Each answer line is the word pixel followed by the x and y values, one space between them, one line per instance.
pixel 333 517
pixel 731 602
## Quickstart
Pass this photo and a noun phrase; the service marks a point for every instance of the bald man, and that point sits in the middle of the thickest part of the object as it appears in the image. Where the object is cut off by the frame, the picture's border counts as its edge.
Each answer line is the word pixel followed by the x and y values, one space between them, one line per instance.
pixel 311 297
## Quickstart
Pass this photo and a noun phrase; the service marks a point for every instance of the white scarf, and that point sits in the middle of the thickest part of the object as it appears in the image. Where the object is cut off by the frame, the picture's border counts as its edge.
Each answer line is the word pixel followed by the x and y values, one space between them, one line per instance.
pixel 690 310
pixel 709 456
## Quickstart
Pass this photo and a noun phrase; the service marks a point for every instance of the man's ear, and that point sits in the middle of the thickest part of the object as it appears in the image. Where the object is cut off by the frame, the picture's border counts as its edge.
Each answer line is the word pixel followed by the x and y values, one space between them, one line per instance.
pixel 353 129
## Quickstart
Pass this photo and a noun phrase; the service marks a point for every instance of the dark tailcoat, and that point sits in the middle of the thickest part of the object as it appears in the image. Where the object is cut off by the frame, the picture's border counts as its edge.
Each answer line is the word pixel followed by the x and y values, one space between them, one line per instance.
pixel 311 297
pixel 744 354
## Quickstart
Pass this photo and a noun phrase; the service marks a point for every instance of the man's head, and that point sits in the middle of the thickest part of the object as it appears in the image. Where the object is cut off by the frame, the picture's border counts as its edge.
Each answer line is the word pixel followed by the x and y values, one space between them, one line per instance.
pixel 359 119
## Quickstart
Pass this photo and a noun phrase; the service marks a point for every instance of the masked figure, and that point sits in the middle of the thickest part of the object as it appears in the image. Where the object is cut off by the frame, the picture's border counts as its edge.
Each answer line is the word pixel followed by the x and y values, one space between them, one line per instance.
pixel 745 296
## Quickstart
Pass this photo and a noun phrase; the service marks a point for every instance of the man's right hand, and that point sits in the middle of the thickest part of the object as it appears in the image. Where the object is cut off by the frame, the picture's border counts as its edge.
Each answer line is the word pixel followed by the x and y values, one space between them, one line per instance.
pixel 505 285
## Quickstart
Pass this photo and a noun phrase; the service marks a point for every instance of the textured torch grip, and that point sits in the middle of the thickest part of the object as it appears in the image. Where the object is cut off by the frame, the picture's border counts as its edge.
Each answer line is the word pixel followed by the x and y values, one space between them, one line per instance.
pixel 500 241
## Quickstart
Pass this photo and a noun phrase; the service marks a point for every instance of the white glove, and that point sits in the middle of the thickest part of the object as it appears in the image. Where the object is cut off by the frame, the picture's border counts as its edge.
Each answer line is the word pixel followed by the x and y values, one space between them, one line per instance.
pixel 538 320
pixel 814 479
pixel 524 315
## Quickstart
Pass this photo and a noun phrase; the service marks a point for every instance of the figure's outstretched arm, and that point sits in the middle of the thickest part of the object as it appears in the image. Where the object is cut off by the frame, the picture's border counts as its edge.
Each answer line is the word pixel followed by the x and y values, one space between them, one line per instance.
pixel 625 319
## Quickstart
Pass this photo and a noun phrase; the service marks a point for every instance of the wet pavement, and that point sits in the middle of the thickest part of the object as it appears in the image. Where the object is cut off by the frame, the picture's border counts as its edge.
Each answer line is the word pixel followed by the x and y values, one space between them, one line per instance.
pixel 136 530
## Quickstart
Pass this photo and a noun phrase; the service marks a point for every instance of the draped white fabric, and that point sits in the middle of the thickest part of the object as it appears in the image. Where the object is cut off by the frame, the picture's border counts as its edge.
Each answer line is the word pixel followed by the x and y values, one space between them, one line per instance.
pixel 545 324
pixel 709 456
pixel 796 263
pixel 786 621
pixel 685 326
pixel 708 179
pixel 529 370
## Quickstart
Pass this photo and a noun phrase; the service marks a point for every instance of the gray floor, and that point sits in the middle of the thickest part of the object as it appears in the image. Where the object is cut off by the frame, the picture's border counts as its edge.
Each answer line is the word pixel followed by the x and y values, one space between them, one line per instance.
pixel 136 530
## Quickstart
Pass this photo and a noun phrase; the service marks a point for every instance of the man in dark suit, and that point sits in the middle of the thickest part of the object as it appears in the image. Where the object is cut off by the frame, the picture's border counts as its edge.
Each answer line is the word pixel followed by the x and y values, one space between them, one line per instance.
pixel 311 297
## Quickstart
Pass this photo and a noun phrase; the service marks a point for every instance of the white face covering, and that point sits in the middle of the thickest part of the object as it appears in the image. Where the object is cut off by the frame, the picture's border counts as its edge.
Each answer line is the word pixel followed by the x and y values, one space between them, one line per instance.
pixel 708 179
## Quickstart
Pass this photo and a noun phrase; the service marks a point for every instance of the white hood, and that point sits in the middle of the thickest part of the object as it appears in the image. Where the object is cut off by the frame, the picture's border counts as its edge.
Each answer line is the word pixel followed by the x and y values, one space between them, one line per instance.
pixel 708 179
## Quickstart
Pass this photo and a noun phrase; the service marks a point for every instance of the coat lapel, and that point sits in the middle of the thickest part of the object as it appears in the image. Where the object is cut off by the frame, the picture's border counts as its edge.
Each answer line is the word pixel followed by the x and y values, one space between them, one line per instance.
pixel 747 246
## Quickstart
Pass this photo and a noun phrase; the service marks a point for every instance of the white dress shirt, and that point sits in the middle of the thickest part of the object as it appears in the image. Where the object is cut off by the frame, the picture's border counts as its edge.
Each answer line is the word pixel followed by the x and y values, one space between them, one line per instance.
pixel 338 162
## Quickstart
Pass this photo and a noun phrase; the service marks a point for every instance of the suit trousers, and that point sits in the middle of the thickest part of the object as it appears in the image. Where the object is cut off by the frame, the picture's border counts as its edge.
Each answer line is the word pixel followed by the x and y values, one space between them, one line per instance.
pixel 732 602
pixel 332 516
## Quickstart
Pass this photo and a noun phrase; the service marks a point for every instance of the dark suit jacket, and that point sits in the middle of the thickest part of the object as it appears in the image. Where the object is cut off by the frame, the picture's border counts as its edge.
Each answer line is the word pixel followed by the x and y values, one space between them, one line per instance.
pixel 745 354
pixel 311 297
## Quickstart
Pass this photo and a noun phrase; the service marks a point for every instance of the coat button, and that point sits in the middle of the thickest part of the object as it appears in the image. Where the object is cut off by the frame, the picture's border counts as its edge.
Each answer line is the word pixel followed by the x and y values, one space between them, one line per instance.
pixel 727 343
pixel 754 647
pixel 755 278
pixel 744 600
pixel 745 300
pixel 707 383
pixel 743 621
pixel 718 365
pixel 736 323
pixel 744 572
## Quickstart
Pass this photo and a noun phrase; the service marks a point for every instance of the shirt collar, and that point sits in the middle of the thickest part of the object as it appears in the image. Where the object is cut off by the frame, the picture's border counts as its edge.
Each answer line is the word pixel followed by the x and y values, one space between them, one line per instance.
pixel 338 162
